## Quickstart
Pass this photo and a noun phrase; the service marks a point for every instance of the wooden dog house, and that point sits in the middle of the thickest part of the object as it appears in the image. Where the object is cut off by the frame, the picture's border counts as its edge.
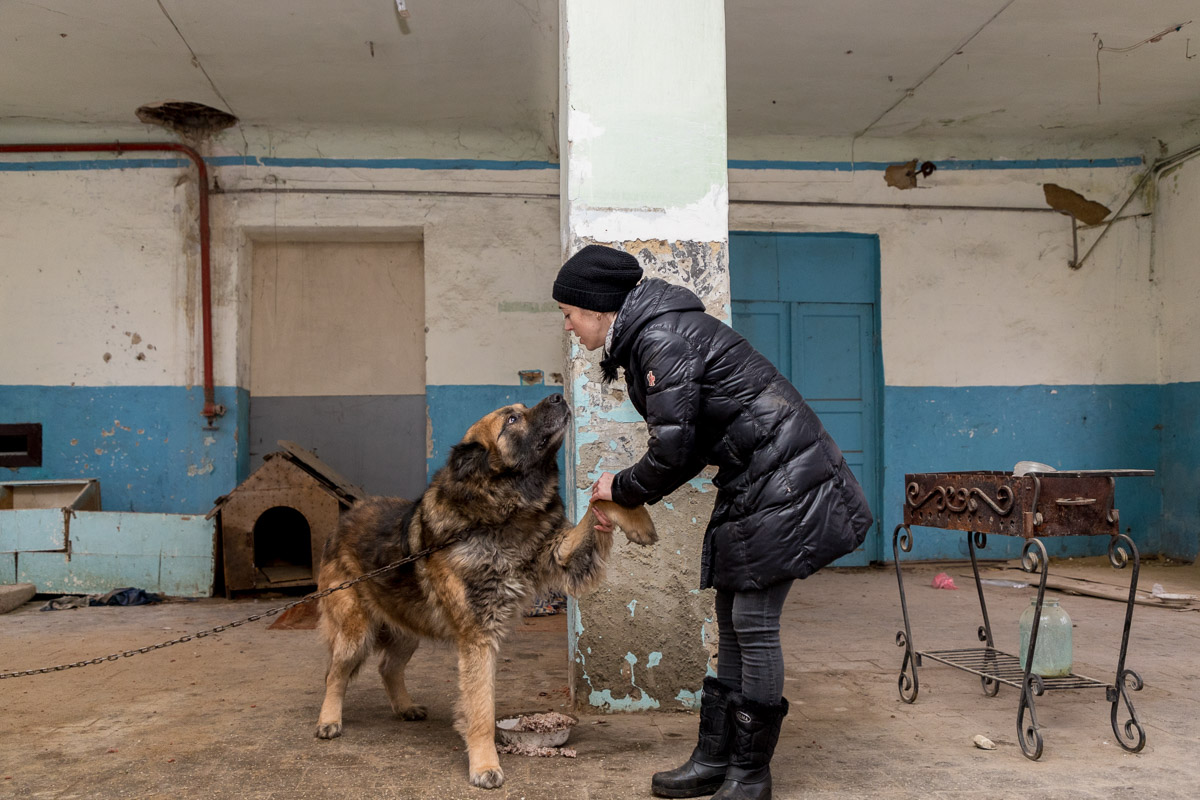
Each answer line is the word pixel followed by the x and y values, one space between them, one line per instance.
pixel 274 525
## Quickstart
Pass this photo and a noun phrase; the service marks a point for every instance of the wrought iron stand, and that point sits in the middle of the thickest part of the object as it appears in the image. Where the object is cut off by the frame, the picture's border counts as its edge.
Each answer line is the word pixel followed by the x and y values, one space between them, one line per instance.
pixel 1032 505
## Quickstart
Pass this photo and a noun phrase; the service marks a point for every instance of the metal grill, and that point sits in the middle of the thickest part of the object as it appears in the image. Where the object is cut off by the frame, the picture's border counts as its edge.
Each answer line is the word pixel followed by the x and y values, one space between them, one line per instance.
pixel 999 666
pixel 1031 506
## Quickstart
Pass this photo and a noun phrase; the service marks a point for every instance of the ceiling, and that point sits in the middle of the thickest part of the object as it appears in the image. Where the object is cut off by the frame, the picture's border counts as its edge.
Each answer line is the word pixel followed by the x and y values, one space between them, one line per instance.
pixel 960 78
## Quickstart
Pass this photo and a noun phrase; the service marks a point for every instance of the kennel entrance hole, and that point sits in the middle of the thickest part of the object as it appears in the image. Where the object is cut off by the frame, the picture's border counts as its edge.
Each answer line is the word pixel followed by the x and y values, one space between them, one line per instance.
pixel 283 545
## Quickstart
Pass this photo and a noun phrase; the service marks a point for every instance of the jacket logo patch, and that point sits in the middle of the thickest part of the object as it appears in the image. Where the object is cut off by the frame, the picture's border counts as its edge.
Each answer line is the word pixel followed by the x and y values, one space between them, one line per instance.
pixel 650 378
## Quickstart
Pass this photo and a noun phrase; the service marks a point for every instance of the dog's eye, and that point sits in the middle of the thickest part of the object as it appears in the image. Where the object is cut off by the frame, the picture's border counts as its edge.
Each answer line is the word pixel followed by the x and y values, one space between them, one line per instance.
pixel 512 419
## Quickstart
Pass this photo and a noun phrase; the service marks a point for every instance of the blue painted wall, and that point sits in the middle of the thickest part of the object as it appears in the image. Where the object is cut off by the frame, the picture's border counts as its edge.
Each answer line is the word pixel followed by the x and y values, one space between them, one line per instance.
pixel 454 409
pixel 155 454
pixel 149 448
pixel 1180 471
pixel 147 445
pixel 944 429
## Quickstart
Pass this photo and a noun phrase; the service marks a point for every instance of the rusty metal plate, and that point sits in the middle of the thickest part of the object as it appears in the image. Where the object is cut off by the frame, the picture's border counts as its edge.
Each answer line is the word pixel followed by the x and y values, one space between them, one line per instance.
pixel 1079 503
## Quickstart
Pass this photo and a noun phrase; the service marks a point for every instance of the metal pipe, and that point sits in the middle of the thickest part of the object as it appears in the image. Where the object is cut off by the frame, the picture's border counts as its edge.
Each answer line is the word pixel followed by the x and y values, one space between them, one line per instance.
pixel 1155 168
pixel 400 192
pixel 899 206
pixel 211 409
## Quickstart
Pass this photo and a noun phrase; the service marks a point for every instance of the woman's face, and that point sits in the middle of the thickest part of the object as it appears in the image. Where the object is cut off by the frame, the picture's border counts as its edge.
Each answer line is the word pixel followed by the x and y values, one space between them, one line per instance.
pixel 590 326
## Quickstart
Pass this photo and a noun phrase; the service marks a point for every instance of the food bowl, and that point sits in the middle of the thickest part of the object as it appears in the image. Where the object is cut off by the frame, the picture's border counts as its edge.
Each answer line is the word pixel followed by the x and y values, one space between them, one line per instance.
pixel 535 728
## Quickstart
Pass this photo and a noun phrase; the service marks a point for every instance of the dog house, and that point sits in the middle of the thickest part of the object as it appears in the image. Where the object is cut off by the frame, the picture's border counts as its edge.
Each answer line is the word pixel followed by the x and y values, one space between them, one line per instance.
pixel 274 525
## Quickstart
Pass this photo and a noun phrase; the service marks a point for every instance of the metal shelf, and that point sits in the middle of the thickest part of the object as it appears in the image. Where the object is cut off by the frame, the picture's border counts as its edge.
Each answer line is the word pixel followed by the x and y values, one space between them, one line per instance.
pixel 988 662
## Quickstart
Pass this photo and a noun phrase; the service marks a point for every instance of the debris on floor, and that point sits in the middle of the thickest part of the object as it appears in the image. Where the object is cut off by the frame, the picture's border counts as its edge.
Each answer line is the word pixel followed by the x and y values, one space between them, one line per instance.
pixel 1103 589
pixel 128 596
pixel 943 581
pixel 15 595
pixel 983 743
pixel 298 618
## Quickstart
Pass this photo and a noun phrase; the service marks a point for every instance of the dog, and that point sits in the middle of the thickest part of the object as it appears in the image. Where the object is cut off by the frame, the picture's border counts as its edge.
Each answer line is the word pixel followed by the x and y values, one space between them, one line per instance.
pixel 496 508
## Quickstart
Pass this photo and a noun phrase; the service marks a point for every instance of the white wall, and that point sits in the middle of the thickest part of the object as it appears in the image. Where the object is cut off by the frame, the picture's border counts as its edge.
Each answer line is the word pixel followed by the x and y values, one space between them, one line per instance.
pixel 92 258
pixel 984 297
pixel 489 261
pixel 1177 270
pixel 92 262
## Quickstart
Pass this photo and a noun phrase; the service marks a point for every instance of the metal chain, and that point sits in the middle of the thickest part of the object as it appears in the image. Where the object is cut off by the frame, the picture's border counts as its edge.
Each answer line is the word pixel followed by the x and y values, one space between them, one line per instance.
pixel 252 618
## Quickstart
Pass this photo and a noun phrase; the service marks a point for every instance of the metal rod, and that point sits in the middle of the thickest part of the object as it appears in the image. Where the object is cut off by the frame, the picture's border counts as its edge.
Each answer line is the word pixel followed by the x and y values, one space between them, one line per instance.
pixel 1155 168
pixel 406 192
pixel 898 206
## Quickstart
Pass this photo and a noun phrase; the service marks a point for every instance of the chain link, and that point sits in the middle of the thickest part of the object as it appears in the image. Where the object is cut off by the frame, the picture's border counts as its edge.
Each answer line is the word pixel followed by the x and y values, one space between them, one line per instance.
pixel 220 628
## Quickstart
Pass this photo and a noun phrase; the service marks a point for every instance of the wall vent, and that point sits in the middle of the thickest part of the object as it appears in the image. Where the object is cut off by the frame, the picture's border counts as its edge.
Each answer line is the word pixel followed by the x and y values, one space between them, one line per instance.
pixel 21 444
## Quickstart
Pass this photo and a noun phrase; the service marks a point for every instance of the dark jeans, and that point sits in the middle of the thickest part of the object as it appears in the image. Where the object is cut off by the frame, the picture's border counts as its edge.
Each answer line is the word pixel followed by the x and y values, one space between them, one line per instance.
pixel 749 655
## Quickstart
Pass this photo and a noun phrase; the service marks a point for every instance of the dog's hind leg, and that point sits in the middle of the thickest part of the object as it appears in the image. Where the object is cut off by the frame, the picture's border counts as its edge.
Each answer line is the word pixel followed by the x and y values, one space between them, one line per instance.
pixel 349 636
pixel 476 719
pixel 398 647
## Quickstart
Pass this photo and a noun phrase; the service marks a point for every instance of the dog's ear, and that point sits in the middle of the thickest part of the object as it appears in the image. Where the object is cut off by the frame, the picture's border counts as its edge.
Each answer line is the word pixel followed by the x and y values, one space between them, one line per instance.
pixel 469 460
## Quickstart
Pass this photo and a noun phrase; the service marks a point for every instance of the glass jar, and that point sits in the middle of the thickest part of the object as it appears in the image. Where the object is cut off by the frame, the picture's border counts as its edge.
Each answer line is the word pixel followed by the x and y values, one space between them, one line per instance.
pixel 1052 656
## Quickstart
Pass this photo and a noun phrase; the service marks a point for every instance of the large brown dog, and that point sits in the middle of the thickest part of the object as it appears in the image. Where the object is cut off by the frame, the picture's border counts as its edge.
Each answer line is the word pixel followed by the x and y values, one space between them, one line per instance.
pixel 497 494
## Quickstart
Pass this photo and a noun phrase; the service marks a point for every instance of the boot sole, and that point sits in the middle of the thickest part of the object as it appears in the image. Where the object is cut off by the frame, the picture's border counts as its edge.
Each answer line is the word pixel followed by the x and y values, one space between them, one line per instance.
pixel 702 790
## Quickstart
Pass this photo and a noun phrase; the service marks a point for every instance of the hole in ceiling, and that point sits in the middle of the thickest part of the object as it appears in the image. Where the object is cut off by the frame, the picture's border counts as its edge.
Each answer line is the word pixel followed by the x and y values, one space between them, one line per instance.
pixel 186 117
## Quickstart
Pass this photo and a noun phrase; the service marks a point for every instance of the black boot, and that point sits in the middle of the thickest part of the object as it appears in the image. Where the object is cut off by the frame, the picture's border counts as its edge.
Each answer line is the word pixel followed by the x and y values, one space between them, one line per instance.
pixel 705 770
pixel 755 734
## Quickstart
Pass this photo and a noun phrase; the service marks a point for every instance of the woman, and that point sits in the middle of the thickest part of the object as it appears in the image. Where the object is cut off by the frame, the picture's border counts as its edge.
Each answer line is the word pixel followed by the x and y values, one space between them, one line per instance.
pixel 786 503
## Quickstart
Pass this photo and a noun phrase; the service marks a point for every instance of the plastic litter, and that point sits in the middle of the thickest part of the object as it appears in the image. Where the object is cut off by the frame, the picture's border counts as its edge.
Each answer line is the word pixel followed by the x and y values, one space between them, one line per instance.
pixel 999 582
pixel 943 581
pixel 1161 593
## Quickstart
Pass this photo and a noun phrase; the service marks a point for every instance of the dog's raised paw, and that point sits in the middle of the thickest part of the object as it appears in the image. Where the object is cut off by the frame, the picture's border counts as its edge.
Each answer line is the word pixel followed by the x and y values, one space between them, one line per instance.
pixel 329 730
pixel 413 713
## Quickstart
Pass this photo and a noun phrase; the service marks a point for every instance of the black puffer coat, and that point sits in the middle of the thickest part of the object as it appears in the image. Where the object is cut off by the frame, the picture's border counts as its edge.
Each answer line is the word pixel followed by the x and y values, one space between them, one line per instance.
pixel 787 504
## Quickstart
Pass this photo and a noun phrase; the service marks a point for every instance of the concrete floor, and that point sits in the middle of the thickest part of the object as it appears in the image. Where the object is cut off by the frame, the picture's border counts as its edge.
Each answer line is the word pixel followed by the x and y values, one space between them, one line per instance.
pixel 232 716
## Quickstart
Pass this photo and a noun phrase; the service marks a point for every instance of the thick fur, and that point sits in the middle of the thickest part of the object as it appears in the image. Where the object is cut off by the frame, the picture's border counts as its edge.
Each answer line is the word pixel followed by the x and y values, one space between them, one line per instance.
pixel 498 494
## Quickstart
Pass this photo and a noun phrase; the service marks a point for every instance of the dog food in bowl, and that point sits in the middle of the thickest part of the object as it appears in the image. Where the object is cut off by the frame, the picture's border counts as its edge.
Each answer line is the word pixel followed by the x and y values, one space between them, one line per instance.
pixel 539 729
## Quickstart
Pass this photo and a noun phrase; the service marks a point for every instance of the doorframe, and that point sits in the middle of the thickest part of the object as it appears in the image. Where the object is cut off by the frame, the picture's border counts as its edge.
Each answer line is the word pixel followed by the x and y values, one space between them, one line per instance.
pixel 876 502
pixel 237 246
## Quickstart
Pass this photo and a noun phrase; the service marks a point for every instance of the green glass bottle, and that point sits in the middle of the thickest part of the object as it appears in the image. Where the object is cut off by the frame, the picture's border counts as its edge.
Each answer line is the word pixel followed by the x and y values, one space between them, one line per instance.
pixel 1052 656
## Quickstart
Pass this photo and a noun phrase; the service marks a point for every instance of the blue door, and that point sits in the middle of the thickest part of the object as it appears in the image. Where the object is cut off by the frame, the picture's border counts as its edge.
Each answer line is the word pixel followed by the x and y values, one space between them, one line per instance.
pixel 810 303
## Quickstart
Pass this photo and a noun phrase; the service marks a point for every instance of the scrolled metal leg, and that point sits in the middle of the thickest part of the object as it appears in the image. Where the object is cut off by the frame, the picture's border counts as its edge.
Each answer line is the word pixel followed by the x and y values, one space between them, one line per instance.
pixel 907 683
pixel 1033 559
pixel 1130 735
pixel 991 687
pixel 1029 735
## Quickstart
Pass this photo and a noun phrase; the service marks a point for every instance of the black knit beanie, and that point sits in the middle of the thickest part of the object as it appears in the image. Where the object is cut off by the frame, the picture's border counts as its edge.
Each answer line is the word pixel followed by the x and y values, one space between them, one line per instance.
pixel 597 278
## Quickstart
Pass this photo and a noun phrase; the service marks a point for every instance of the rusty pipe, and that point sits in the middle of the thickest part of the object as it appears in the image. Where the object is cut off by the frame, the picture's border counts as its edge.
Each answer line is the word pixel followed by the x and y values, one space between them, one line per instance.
pixel 211 410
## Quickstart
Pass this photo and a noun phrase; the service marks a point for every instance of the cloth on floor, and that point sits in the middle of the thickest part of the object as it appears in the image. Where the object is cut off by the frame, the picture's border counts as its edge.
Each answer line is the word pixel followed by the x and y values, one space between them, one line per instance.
pixel 128 596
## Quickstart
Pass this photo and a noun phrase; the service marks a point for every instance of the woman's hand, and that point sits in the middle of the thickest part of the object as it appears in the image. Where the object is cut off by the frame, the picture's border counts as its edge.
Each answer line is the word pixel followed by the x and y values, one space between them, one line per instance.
pixel 603 523
pixel 602 490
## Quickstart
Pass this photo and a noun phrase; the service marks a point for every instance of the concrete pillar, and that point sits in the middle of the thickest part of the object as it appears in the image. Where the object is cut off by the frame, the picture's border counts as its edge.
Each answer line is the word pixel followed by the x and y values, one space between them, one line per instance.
pixel 644 168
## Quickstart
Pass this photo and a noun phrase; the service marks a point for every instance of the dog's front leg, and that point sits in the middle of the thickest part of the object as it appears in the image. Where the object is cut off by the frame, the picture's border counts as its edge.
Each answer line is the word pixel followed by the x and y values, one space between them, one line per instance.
pixel 477 711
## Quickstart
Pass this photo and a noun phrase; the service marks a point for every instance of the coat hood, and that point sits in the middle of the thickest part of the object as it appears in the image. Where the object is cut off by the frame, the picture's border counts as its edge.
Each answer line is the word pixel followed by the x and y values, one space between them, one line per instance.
pixel 651 298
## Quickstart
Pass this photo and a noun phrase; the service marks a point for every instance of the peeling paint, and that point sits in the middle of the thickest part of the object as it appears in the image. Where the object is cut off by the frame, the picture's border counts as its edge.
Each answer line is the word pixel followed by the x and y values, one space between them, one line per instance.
pixel 205 467
pixel 632 606
pixel 626 703
pixel 653 660
pixel 703 221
